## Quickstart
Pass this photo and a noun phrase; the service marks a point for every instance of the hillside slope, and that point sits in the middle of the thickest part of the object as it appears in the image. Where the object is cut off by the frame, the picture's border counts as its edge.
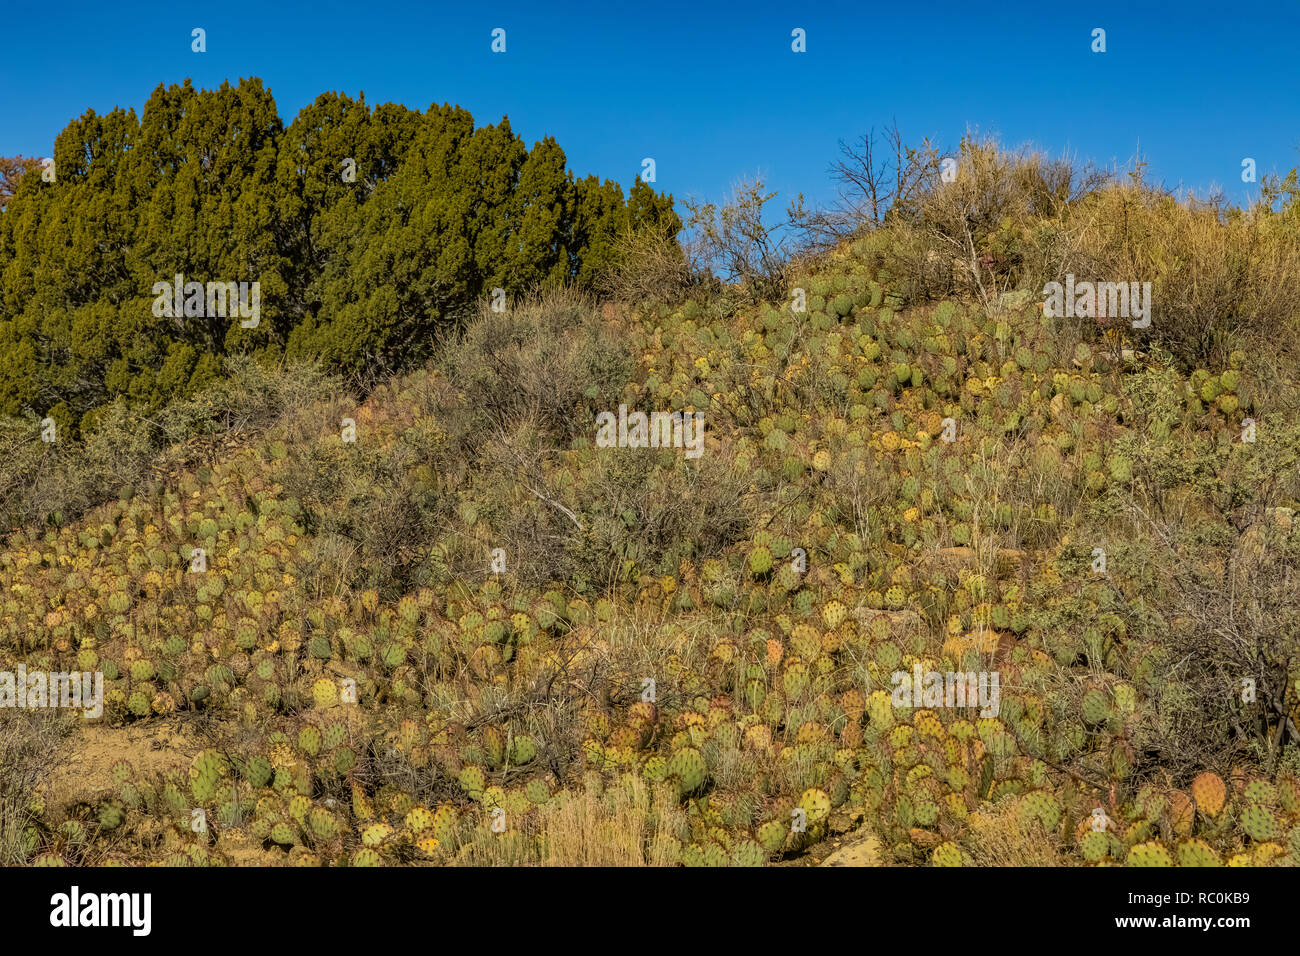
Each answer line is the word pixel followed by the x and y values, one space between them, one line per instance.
pixel 564 653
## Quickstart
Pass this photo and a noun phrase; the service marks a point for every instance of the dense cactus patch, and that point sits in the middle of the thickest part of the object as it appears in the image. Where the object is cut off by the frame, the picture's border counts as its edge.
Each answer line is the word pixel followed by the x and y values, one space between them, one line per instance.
pixel 704 647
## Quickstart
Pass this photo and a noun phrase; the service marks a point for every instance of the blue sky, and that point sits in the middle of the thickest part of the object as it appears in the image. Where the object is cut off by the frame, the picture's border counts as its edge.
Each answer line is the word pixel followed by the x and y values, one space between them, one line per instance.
pixel 713 91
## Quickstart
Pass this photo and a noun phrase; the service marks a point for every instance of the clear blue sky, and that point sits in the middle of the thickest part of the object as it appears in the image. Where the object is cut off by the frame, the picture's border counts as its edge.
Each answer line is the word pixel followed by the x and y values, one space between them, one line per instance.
pixel 712 90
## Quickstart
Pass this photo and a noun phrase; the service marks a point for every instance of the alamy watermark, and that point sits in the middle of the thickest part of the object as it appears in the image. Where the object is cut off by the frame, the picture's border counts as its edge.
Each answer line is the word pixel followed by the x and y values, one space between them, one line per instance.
pixel 951 689
pixel 31 689
pixel 1099 300
pixel 656 430
pixel 130 910
pixel 181 299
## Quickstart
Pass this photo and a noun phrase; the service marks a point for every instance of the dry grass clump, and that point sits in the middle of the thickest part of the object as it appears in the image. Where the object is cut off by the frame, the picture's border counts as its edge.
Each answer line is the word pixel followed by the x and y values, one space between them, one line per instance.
pixel 1000 837
pixel 630 824
pixel 30 745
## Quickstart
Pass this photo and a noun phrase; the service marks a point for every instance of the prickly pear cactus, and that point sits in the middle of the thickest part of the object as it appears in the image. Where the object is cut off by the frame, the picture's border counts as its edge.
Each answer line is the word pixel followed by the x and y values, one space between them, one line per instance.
pixel 474 781
pixel 1040 808
pixel 687 767
pixel 418 820
pixel 1197 853
pixel 523 750
pixel 1098 845
pixel 1096 707
pixel 748 853
pixel 322 824
pixel 950 854
pixel 772 835
pixel 1209 792
pixel 1260 823
pixel 206 773
pixel 816 804
pixel 1149 854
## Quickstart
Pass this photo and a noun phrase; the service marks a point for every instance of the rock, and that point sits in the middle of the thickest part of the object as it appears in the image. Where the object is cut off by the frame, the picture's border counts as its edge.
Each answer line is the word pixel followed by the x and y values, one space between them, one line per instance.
pixel 860 852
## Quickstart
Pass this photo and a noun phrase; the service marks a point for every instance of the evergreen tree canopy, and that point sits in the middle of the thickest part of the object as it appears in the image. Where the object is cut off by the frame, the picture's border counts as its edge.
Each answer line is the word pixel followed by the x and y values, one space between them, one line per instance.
pixel 367 230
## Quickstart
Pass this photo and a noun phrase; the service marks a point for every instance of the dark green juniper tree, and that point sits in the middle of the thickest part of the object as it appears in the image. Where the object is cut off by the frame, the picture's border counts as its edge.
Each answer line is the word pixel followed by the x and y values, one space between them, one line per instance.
pixel 369 230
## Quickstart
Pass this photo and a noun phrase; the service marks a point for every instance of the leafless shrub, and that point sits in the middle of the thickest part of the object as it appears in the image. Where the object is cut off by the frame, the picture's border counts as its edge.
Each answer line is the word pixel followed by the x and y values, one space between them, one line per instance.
pixel 649 266
pixel 873 176
pixel 30 745
pixel 734 240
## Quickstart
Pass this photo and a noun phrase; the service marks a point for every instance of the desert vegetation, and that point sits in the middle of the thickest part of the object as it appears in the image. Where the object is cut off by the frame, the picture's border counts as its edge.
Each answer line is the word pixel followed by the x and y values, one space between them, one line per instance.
pixel 435 623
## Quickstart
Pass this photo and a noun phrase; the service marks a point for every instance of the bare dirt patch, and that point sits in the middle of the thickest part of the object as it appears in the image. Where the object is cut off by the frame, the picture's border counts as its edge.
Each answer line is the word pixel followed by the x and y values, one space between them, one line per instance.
pixel 87 770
